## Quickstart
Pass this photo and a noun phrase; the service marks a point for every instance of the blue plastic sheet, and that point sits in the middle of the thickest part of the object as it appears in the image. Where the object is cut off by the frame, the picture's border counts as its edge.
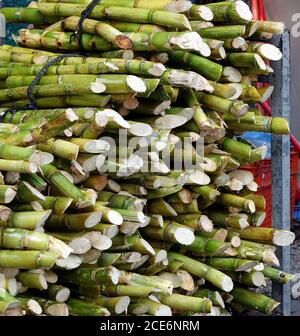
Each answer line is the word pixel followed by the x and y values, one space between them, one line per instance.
pixel 258 139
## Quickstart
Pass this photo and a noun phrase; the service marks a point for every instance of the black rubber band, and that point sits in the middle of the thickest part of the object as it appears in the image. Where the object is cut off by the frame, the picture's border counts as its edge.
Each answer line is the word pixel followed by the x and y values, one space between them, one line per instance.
pixel 84 15
pixel 30 95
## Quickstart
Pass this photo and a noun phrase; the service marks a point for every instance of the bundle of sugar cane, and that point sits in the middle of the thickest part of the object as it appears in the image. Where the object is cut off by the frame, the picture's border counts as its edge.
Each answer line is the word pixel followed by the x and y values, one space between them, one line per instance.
pixel 122 192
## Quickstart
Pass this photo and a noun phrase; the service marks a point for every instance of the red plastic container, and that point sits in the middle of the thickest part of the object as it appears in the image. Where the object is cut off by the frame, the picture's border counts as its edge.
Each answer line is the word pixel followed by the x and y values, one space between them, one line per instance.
pixel 263 177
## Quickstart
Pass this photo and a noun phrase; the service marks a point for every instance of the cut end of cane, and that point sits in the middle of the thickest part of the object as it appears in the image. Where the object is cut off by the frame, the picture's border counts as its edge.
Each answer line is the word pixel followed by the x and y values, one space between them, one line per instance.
pixel 191 41
pixel 60 247
pixel 205 224
pixel 80 245
pixel 97 87
pixel 260 63
pixel 97 146
pixel 63 295
pixel 232 74
pixel 71 115
pixel 148 248
pixel 114 217
pixel 243 10
pixel 136 84
pixel 140 129
pixel 73 261
pixel 179 6
pixel 123 42
pixel 101 120
pixel 283 238
pixel 170 121
pixel 115 275
pixel 157 70
pixel 239 43
pixel 226 284
pixel 238 91
pixel 270 52
pixel 122 305
pixel 187 281
pixel 99 241
pixel 9 195
pixel 58 309
pixel 205 13
pixel 258 279
pixel 198 177
pixel 184 236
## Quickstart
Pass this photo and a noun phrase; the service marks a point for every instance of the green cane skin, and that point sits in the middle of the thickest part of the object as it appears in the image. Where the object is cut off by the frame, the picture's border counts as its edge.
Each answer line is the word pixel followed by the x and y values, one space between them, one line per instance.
pixel 91 100
pixel 61 148
pixel 17 166
pixel 53 290
pixel 199 269
pixel 231 264
pixel 20 239
pixel 137 305
pixel 35 180
pixel 122 290
pixel 238 149
pixel 26 15
pixel 186 303
pixel 40 133
pixel 255 251
pixel 33 116
pixel 112 83
pixel 219 104
pixel 156 4
pixel 15 153
pixel 207 247
pixel 19 93
pixel 225 219
pixel 133 27
pixel 31 280
pixel 18 57
pixel 130 243
pixel 277 276
pixel 55 177
pixel 260 203
pixel 163 286
pixel 92 66
pixel 245 278
pixel 141 42
pixel 27 259
pixel 224 11
pixel 162 18
pixel 164 233
pixel 108 32
pixel 210 70
pixel 186 208
pixel 243 60
pixel 223 32
pixel 191 220
pixel 7 301
pixel 262 124
pixel 69 222
pixel 208 191
pixel 254 300
pixel 91 276
pixel 211 295
pixel 27 51
pixel 107 302
pixel 83 308
pixel 58 205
